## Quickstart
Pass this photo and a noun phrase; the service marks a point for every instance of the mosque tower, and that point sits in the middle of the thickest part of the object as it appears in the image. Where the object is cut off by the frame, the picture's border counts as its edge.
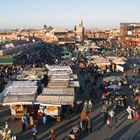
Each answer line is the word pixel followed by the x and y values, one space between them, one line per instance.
pixel 79 30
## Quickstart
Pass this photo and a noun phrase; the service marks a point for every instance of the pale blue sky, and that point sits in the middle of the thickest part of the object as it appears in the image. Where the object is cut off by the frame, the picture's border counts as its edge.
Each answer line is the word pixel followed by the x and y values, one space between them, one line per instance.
pixel 67 13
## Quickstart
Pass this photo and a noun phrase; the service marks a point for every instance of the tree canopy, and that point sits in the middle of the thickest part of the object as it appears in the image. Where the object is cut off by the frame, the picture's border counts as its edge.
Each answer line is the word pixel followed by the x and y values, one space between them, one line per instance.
pixel 47 28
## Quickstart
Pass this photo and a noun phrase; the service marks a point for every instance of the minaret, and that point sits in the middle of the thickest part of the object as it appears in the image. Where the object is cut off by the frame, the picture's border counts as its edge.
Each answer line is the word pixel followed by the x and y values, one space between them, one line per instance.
pixel 81 24
pixel 82 29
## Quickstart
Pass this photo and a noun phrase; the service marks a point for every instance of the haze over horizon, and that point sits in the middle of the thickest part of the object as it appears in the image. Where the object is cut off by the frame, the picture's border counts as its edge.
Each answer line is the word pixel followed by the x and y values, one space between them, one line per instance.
pixel 64 13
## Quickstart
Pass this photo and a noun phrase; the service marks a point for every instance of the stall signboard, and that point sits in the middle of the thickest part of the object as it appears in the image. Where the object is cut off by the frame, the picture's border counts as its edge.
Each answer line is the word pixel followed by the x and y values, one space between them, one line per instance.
pixel 51 110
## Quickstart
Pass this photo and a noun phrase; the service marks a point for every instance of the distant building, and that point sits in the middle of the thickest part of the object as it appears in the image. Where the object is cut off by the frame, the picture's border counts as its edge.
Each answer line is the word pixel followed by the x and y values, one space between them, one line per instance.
pixel 63 36
pixel 23 34
pixel 7 36
pixel 59 32
pixel 130 34
pixel 101 34
pixel 114 33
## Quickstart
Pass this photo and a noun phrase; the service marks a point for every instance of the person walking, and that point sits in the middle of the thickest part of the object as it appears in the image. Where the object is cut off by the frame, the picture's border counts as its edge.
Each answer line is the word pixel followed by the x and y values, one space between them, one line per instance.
pixel 31 121
pixel 105 112
pixel 83 119
pixel 23 123
pixel 26 119
pixel 79 105
pixel 113 118
pixel 52 135
pixel 90 105
pixel 68 115
pixel 129 110
pixel 125 101
pixel 89 125
pixel 108 122
pixel 6 133
pixel 34 132
pixel 44 119
pixel 87 80
pixel 13 112
pixel 23 127
pixel 86 105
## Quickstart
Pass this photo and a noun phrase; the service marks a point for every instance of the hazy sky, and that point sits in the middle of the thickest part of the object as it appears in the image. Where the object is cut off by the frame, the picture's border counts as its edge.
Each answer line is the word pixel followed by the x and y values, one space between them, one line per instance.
pixel 67 13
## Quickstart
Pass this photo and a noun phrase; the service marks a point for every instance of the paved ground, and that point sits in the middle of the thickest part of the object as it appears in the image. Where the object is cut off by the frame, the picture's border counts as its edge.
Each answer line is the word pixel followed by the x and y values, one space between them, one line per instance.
pixel 126 129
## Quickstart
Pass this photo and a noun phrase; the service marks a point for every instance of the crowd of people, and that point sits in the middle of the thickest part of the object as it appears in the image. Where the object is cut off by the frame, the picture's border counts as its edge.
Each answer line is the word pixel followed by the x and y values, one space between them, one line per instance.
pixel 6 73
pixel 111 100
pixel 42 53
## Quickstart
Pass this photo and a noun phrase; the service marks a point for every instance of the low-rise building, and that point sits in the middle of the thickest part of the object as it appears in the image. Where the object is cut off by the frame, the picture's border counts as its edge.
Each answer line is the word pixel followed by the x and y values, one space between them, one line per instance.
pixel 63 36
pixel 97 34
pixel 130 34
pixel 4 36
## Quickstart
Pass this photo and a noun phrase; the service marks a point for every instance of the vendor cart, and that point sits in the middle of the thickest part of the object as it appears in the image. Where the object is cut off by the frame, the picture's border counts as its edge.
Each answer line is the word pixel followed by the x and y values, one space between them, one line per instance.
pixel 74 133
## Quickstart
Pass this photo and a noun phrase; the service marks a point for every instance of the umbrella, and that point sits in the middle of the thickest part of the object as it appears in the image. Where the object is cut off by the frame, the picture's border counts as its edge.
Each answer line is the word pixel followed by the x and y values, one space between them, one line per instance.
pixel 114 87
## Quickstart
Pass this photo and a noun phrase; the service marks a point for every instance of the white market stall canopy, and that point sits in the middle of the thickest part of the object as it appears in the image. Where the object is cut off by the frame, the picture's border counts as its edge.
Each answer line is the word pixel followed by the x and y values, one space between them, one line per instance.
pixel 32 74
pixel 101 61
pixel 58 83
pixel 22 84
pixel 63 83
pixel 62 72
pixel 63 77
pixel 117 60
pixel 60 89
pixel 19 92
pixel 94 57
pixel 55 100
pixel 18 100
pixel 60 77
pixel 59 68
pixel 60 96
pixel 107 60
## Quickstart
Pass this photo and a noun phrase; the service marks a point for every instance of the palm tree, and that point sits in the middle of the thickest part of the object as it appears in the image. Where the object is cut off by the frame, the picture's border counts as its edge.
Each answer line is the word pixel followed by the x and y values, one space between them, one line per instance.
pixel 45 26
pixel 49 28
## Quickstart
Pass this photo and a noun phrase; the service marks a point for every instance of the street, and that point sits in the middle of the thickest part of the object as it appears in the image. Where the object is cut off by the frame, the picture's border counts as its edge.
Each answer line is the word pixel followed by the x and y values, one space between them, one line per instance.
pixel 125 129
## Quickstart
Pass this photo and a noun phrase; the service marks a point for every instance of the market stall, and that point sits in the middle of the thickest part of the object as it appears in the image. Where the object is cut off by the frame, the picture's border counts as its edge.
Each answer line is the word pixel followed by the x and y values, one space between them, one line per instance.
pixel 19 95
pixel 59 93
pixel 32 74
pixel 101 62
pixel 54 100
pixel 58 68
